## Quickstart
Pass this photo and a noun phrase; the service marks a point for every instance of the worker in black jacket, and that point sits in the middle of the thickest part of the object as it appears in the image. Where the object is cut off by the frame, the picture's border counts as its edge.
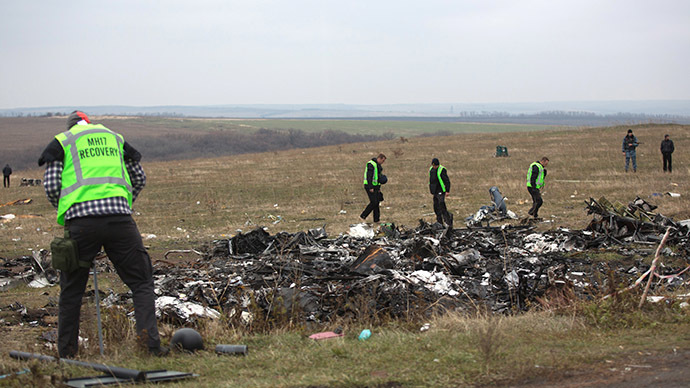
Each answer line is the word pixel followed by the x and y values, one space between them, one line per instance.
pixel 630 144
pixel 439 186
pixel 666 151
pixel 372 185
pixel 6 172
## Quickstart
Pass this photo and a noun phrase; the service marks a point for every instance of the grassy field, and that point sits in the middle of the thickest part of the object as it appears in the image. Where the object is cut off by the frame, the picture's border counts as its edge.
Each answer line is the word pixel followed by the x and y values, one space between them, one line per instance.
pixel 188 203
pixel 396 128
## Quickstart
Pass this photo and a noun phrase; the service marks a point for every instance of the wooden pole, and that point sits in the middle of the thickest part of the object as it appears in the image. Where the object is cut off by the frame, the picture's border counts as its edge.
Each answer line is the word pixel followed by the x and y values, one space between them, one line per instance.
pixel 653 267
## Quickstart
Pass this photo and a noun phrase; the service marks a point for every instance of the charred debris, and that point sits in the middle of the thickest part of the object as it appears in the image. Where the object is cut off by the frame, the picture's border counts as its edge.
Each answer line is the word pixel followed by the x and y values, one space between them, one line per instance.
pixel 410 273
pixel 403 272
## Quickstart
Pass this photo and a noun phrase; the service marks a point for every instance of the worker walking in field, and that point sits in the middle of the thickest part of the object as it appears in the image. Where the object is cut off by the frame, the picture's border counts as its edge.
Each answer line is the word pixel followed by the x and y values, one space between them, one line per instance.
pixel 535 181
pixel 629 145
pixel 6 172
pixel 666 151
pixel 92 177
pixel 439 186
pixel 373 179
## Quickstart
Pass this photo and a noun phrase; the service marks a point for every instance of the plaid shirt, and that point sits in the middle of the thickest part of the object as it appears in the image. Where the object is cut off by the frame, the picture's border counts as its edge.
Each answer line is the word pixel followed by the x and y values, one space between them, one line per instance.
pixel 52 183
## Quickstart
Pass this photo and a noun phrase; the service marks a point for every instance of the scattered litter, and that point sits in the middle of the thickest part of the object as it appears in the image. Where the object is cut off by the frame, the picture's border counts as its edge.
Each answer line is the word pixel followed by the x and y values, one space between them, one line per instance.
pixel 362 230
pixel 497 211
pixel 182 251
pixel 30 182
pixel 672 195
pixel 364 335
pixel 274 219
pixel 173 309
pixel 374 259
pixel 24 201
pixel 425 327
pixel 40 282
pixel 114 374
pixel 337 333
pixel 240 350
pixel 20 372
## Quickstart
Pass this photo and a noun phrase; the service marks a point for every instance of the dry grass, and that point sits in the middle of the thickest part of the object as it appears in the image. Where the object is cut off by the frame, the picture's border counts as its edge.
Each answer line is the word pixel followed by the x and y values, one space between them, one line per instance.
pixel 186 203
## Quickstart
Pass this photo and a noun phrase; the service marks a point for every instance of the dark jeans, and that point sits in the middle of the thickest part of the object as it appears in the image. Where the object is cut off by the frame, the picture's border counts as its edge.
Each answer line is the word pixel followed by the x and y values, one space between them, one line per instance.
pixel 119 236
pixel 440 209
pixel 536 201
pixel 630 154
pixel 372 206
pixel 667 161
pixel 6 180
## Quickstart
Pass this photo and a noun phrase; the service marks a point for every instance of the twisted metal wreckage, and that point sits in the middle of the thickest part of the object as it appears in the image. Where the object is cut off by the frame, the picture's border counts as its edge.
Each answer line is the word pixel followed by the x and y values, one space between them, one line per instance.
pixel 401 272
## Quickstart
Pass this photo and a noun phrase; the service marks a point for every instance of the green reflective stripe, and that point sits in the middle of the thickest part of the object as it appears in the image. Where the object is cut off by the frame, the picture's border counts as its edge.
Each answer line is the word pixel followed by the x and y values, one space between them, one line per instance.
pixel 375 181
pixel 438 173
pixel 93 181
pixel 540 177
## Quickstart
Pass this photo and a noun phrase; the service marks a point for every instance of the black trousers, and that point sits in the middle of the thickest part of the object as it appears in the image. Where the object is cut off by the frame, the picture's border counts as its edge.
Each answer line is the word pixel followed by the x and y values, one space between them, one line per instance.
pixel 119 236
pixel 6 180
pixel 440 209
pixel 667 161
pixel 372 206
pixel 536 201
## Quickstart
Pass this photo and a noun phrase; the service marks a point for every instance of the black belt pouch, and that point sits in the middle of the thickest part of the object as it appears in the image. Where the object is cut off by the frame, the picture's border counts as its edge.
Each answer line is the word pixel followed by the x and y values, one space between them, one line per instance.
pixel 65 254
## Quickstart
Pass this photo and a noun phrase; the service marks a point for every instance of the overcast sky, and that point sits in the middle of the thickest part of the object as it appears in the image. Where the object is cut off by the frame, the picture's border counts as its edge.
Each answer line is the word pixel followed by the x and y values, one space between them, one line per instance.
pixel 202 52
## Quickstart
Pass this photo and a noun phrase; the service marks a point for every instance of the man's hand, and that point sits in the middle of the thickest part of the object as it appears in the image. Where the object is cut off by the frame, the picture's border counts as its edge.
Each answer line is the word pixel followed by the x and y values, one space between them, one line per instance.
pixel 371 190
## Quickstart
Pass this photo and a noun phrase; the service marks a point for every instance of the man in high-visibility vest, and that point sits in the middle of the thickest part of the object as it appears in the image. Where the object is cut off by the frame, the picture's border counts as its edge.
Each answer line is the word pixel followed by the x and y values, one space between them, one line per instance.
pixel 373 179
pixel 92 177
pixel 535 181
pixel 439 186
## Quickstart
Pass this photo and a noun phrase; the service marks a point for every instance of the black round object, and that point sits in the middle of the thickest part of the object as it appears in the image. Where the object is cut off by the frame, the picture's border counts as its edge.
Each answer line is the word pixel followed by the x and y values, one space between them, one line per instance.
pixel 383 179
pixel 187 339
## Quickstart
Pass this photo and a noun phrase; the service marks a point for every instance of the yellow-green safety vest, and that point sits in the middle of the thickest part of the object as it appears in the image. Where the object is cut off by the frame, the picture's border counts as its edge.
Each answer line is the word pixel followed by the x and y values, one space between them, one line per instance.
pixel 375 181
pixel 94 167
pixel 540 177
pixel 438 172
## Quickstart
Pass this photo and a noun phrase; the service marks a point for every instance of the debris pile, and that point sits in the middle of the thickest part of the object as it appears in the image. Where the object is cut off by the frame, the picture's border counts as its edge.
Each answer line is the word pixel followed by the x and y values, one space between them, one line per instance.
pixel 30 182
pixel 497 211
pixel 635 222
pixel 399 272
pixel 35 271
pixel 412 271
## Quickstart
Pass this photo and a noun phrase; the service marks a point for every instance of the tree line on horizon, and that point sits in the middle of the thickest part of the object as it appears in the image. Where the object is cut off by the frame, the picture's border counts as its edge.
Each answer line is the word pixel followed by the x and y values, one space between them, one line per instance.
pixel 554 117
pixel 184 146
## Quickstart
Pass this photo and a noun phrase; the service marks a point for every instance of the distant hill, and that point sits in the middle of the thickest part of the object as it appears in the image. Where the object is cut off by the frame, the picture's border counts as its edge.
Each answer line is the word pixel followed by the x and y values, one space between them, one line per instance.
pixel 549 113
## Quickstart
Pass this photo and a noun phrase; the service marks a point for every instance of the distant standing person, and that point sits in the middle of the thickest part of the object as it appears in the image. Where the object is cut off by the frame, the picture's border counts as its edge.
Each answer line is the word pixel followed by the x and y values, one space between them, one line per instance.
pixel 439 186
pixel 372 186
pixel 6 172
pixel 535 181
pixel 666 151
pixel 629 145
